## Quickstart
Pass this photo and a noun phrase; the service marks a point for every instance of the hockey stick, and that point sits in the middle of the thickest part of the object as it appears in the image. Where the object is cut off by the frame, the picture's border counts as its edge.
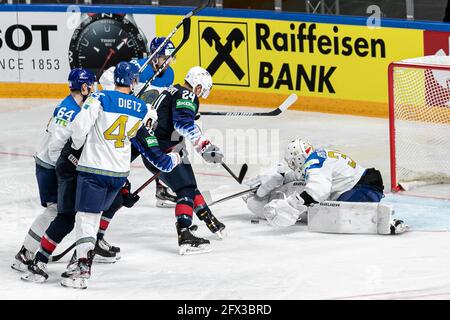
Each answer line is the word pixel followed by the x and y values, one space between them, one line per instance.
pixel 186 32
pixel 233 196
pixel 186 22
pixel 202 5
pixel 73 245
pixel 285 105
pixel 242 173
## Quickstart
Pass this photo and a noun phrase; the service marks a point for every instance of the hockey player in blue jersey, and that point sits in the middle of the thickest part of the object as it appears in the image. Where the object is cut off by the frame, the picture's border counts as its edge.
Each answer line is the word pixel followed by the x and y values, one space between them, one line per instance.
pixel 164 198
pixel 161 82
pixel 49 182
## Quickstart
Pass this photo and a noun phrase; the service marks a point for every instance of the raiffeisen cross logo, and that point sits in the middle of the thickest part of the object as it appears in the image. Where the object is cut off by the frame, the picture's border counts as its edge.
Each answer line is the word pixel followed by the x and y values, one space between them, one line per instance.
pixel 236 37
pixel 224 52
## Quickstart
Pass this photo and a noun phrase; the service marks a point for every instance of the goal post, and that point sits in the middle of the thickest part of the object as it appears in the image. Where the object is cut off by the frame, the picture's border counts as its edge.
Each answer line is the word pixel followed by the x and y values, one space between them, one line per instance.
pixel 419 121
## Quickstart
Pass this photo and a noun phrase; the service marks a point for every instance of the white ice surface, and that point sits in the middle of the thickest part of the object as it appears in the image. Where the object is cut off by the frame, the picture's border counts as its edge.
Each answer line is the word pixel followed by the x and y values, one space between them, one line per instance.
pixel 255 261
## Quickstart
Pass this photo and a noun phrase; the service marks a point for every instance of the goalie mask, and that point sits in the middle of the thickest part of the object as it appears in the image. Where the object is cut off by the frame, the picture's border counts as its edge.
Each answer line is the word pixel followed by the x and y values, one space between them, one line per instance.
pixel 297 151
pixel 199 76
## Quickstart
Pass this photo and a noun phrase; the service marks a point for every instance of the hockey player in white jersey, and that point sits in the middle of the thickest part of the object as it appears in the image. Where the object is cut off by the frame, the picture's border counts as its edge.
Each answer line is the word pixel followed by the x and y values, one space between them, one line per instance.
pixel 57 133
pixel 104 127
pixel 327 175
pixel 164 197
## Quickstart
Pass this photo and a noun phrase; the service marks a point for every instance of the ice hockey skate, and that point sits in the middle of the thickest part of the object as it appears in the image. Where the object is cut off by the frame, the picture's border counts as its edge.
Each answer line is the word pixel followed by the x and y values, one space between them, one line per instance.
pixel 398 226
pixel 106 253
pixel 22 260
pixel 213 224
pixel 78 272
pixel 37 272
pixel 164 199
pixel 189 243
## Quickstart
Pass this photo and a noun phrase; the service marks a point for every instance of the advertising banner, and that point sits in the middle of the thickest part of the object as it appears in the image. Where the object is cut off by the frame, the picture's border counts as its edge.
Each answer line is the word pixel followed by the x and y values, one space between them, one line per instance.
pixel 334 67
pixel 43 47
pixel 311 59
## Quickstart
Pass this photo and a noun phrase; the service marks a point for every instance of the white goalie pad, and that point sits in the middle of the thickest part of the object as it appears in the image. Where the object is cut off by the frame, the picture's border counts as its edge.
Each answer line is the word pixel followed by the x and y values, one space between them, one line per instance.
pixel 350 217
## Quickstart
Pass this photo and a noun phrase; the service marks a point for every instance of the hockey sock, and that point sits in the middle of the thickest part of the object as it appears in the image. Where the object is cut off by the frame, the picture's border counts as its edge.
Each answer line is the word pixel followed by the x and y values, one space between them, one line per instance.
pixel 37 229
pixel 107 215
pixel 200 205
pixel 61 226
pixel 104 223
pixel 185 207
pixel 86 227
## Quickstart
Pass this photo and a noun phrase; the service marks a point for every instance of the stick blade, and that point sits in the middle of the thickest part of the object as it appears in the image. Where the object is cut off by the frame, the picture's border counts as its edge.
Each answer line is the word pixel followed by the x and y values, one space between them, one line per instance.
pixel 242 173
pixel 288 102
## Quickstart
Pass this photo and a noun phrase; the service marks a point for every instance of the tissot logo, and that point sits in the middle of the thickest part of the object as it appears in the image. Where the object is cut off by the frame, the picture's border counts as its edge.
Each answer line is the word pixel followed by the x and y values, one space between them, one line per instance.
pixel 224 52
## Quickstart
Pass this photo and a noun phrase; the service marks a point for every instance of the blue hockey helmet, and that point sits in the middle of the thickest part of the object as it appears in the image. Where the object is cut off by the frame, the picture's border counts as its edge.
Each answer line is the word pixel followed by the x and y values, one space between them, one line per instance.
pixel 125 73
pixel 79 76
pixel 166 50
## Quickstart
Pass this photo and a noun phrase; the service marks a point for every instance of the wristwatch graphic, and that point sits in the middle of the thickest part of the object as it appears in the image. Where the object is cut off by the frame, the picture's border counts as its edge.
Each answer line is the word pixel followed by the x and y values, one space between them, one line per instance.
pixel 103 40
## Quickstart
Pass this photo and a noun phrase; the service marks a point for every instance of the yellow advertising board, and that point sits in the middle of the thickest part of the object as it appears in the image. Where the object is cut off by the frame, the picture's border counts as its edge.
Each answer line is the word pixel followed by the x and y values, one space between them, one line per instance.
pixel 331 67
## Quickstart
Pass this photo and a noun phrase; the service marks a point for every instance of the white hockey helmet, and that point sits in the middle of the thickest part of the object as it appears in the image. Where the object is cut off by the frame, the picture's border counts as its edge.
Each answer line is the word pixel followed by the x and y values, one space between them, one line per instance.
pixel 199 76
pixel 296 153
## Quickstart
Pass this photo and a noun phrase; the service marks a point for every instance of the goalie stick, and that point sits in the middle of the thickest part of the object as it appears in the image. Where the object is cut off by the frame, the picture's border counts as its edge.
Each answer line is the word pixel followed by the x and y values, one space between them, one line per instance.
pixel 186 23
pixel 233 196
pixel 285 105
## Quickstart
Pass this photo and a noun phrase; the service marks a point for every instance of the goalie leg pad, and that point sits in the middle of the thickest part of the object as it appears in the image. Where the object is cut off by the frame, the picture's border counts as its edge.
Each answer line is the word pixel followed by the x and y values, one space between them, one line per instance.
pixel 350 217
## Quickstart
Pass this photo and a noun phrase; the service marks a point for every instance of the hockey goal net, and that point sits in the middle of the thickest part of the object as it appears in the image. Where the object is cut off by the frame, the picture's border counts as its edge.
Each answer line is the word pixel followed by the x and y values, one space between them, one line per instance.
pixel 419 121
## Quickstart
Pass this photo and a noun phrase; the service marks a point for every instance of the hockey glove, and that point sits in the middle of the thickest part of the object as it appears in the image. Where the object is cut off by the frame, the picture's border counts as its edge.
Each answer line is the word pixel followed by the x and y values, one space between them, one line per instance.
pixel 128 198
pixel 210 152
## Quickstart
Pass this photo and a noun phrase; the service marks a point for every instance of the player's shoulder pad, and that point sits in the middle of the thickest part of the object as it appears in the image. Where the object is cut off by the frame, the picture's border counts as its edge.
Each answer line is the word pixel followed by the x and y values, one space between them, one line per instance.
pixel 172 90
pixel 316 159
pixel 66 111
pixel 95 98
pixel 138 62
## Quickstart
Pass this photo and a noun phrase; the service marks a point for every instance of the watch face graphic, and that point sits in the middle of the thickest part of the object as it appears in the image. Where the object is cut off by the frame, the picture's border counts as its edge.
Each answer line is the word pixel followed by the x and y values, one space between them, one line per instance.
pixel 103 40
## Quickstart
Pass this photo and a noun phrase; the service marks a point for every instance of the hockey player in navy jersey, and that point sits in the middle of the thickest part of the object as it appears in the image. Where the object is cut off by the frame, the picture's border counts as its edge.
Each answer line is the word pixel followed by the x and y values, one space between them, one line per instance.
pixel 164 198
pixel 177 108
pixel 81 84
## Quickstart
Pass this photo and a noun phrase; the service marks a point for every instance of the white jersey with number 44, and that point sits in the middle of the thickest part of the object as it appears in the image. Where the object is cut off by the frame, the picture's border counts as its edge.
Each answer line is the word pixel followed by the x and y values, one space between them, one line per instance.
pixel 109 119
